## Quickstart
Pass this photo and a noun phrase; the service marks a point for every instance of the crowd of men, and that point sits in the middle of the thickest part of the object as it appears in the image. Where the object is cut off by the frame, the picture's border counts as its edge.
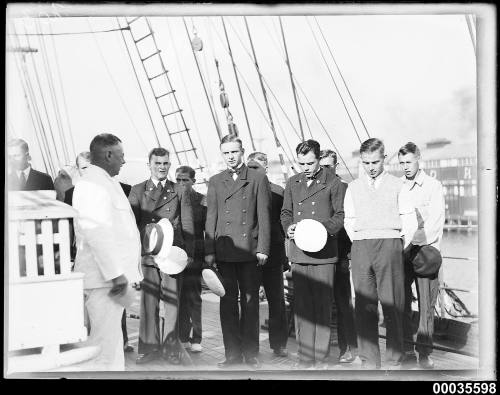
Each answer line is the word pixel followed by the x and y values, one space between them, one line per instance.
pixel 244 228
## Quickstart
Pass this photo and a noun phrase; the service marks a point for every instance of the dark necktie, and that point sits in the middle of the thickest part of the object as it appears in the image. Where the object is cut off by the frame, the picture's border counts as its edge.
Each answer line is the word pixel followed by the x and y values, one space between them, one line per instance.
pixel 158 190
pixel 22 180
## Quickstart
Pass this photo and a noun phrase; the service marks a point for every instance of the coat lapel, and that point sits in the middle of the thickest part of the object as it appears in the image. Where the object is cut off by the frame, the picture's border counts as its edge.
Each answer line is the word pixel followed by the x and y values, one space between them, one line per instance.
pixel 317 185
pixel 240 182
pixel 166 196
pixel 149 193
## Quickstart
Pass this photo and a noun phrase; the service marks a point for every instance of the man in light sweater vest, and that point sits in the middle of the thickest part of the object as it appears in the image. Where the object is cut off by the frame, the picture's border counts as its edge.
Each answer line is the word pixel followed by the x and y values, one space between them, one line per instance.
pixel 427 195
pixel 379 219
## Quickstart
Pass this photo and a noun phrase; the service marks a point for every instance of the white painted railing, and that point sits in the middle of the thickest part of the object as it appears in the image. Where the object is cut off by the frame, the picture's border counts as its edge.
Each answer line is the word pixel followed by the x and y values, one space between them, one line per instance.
pixel 45 298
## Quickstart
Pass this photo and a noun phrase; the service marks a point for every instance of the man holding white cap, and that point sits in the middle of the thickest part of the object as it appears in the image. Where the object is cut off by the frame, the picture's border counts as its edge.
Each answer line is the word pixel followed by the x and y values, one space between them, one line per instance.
pixel 152 200
pixel 108 249
pixel 315 194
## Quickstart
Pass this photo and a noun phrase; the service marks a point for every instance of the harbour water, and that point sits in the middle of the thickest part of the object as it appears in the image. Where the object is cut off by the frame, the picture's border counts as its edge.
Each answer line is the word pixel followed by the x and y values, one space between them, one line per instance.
pixel 462 273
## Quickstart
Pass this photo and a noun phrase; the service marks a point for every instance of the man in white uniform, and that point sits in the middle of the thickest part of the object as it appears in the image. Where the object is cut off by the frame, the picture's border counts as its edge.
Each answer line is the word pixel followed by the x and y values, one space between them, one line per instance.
pixel 108 249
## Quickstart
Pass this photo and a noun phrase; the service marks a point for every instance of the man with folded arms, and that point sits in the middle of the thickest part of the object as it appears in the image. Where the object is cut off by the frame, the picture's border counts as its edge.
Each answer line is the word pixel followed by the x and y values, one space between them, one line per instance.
pixel 237 240
pixel 317 194
pixel 379 219
pixel 427 196
pixel 108 248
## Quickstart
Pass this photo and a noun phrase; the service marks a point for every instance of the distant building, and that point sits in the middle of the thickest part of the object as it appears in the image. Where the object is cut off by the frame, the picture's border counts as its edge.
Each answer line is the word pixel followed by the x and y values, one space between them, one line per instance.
pixel 455 165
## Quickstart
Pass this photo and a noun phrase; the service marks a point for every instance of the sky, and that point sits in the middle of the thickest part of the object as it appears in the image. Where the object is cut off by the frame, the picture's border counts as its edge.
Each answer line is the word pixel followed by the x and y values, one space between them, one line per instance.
pixel 412 77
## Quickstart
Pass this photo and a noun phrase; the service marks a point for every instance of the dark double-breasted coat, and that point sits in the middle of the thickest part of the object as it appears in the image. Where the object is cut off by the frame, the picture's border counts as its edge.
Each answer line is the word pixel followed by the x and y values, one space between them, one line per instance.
pixel 238 216
pixel 322 201
pixel 173 204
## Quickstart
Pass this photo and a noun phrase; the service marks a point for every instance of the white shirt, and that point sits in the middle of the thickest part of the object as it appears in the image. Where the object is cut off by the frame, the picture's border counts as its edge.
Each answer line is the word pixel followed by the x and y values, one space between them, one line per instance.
pixel 155 181
pixel 235 176
pixel 427 197
pixel 107 238
pixel 25 171
pixel 405 205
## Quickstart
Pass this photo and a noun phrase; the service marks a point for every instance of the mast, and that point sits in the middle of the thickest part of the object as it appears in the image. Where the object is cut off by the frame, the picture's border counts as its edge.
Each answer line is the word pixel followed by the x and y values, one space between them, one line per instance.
pixel 291 80
pixel 203 83
pixel 238 83
pixel 278 145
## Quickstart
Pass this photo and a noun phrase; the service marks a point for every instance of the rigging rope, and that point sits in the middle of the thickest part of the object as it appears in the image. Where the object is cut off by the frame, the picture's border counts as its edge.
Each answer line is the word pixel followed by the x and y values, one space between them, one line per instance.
pixel 333 80
pixel 217 128
pixel 53 96
pixel 469 26
pixel 187 93
pixel 115 85
pixel 326 132
pixel 33 110
pixel 237 82
pixel 37 77
pixel 255 99
pixel 139 83
pixel 63 95
pixel 73 33
pixel 265 82
pixel 341 76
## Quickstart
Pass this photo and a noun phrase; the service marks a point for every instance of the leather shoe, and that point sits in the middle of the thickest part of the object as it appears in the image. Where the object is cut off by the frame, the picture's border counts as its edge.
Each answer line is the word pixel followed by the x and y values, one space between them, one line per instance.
pixel 409 361
pixel 347 357
pixel 173 359
pixel 425 362
pixel 253 362
pixel 280 352
pixel 229 362
pixel 128 348
pixel 146 358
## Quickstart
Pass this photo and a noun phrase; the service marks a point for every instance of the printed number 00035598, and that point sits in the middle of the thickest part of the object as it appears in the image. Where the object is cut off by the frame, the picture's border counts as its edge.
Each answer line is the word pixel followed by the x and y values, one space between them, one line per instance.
pixel 464 388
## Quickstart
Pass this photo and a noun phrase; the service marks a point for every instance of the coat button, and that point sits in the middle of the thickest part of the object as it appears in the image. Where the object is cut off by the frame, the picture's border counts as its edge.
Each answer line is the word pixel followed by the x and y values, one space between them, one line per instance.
pixel 227 211
pixel 243 223
pixel 244 211
pixel 299 213
pixel 227 223
pixel 312 213
pixel 168 208
pixel 312 203
pixel 300 203
pixel 153 220
pixel 244 197
pixel 317 182
pixel 244 235
pixel 164 197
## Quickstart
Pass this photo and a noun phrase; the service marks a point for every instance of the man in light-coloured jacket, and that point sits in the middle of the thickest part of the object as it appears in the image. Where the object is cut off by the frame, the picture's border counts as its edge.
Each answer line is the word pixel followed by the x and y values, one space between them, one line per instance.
pixel 108 249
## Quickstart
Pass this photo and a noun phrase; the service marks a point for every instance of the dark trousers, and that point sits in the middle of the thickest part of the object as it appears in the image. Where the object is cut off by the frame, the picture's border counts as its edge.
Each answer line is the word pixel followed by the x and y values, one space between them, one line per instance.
pixel 190 306
pixel 240 333
pixel 378 274
pixel 346 329
pixel 272 279
pixel 427 293
pixel 156 333
pixel 313 298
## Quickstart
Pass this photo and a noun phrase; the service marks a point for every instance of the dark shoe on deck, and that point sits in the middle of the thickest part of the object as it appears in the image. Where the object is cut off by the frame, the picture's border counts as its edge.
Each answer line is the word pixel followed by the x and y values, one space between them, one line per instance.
pixel 128 348
pixel 347 357
pixel 253 362
pixel 230 361
pixel 280 352
pixel 425 362
pixel 146 358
